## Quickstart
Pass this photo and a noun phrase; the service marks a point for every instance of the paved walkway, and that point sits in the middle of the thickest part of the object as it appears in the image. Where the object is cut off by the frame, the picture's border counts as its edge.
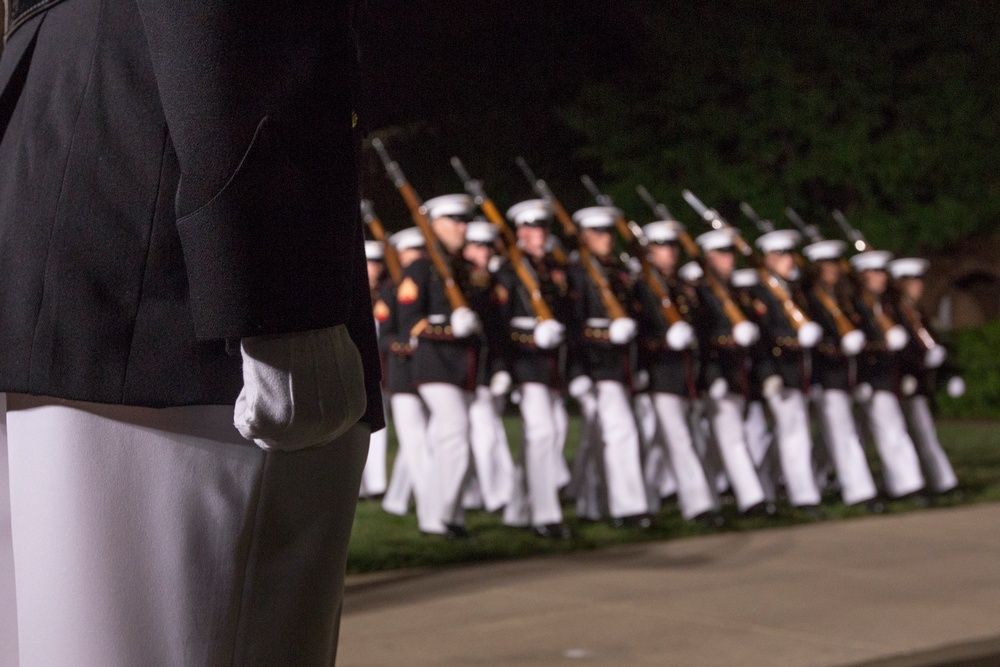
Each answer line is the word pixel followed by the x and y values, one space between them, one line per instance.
pixel 912 590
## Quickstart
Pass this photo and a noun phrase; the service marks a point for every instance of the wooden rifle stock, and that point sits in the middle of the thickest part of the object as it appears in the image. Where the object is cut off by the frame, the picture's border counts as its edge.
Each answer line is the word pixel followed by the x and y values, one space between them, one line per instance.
pixel 378 231
pixel 913 318
pixel 456 299
pixel 514 254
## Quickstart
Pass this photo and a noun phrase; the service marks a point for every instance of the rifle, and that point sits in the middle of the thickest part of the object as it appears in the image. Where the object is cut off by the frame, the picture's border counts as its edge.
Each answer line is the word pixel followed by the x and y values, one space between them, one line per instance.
pixel 807 331
pixel 608 298
pixel 475 188
pixel 744 332
pixel 378 231
pixel 637 242
pixel 932 350
pixel 454 293
pixel 851 338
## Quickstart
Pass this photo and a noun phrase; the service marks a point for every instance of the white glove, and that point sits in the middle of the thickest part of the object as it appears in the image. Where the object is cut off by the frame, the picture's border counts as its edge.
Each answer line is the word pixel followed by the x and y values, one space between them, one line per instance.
pixel 500 383
pixel 956 387
pixel 465 323
pixel 852 342
pixel 772 386
pixel 641 380
pixel 549 334
pixel 718 389
pixel 299 390
pixel 935 356
pixel 863 392
pixel 896 338
pixel 680 335
pixel 579 386
pixel 622 330
pixel 908 385
pixel 746 333
pixel 809 334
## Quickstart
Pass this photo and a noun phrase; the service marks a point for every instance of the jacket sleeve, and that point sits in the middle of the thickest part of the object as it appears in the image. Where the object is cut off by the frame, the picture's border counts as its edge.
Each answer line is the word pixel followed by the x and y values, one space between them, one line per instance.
pixel 258 101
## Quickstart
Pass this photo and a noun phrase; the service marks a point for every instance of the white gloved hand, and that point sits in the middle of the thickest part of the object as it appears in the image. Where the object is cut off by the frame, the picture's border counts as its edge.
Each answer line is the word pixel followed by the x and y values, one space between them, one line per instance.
pixel 772 386
pixel 718 389
pixel 956 387
pixel 500 383
pixel 746 333
pixel 896 338
pixel 680 335
pixel 579 386
pixel 301 389
pixel 622 330
pixel 641 380
pixel 809 334
pixel 549 334
pixel 935 356
pixel 908 385
pixel 863 392
pixel 465 323
pixel 852 342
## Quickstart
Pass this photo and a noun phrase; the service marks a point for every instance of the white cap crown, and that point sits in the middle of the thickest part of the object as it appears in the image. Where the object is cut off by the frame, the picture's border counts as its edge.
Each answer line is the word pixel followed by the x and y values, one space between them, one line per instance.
pixel 449 205
pixel 407 239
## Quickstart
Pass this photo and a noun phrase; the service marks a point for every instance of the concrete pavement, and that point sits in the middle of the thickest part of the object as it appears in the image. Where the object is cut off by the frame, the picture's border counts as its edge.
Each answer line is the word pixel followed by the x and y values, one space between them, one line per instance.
pixel 908 590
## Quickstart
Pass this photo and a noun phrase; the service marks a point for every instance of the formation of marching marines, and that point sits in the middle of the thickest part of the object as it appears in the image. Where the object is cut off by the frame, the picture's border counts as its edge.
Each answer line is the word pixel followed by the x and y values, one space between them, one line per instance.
pixel 699 365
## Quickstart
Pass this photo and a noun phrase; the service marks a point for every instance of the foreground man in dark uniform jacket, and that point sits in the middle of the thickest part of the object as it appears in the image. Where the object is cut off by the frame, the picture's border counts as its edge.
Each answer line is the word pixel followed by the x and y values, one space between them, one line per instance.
pixel 177 179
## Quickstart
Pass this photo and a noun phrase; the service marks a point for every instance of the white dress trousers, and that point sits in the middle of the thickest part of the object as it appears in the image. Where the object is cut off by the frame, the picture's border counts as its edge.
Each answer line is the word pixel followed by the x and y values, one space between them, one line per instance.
pixel 791 426
pixel 8 601
pixel 844 446
pixel 535 500
pixel 161 537
pixel 694 494
pixel 411 469
pixel 373 479
pixel 900 465
pixel 448 435
pixel 760 443
pixel 585 486
pixel 622 457
pixel 726 417
pixel 940 475
pixel 492 462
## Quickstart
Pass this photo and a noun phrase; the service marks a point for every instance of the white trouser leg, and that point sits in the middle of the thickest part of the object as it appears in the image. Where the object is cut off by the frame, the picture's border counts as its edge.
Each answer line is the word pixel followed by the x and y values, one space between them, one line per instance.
pixel 409 472
pixel 900 465
pixel 448 430
pixel 791 421
pixel 726 416
pixel 940 474
pixel 373 480
pixel 539 448
pixel 844 445
pixel 622 457
pixel 503 461
pixel 161 537
pixel 586 480
pixel 8 603
pixel 693 491
pixel 561 417
pixel 658 474
pixel 485 438
pixel 760 443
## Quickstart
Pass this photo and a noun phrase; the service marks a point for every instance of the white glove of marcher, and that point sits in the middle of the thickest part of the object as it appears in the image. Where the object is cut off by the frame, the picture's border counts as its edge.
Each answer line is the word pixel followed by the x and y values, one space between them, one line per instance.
pixel 956 387
pixel 863 392
pixel 549 334
pixel 622 330
pixel 680 335
pixel 641 380
pixel 465 323
pixel 579 386
pixel 772 386
pixel 500 383
pixel 718 389
pixel 301 389
pixel 908 385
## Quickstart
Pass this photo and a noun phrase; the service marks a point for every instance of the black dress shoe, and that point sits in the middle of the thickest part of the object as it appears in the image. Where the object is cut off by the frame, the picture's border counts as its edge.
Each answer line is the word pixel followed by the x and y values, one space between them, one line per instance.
pixel 711 519
pixel 453 531
pixel 875 506
pixel 553 531
pixel 763 508
pixel 642 521
pixel 814 512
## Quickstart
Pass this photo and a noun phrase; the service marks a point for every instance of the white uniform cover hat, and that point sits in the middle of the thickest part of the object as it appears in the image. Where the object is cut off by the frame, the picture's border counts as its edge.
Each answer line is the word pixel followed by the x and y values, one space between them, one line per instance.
pixel 374 251
pixel 715 239
pixel 831 249
pixel 779 240
pixel 908 267
pixel 408 238
pixel 595 217
pixel 872 260
pixel 662 231
pixel 480 231
pixel 445 206
pixel 529 212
